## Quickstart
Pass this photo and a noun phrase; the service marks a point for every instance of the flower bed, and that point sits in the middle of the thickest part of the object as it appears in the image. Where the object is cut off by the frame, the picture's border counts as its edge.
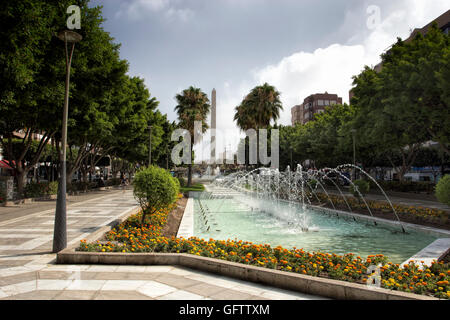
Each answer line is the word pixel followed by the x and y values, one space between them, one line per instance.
pixel 130 236
pixel 421 215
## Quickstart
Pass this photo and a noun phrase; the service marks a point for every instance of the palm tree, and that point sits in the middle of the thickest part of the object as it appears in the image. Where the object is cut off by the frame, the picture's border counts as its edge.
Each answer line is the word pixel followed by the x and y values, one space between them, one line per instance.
pixel 258 109
pixel 193 105
pixel 265 102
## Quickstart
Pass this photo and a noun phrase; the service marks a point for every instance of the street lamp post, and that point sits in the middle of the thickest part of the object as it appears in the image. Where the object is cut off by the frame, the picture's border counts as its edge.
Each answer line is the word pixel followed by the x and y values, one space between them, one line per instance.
pixel 60 228
pixel 167 157
pixel 150 146
pixel 354 153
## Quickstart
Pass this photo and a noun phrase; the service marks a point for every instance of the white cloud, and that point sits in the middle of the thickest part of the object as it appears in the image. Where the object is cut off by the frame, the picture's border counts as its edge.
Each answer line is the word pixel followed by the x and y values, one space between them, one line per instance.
pixel 331 69
pixel 301 74
pixel 179 14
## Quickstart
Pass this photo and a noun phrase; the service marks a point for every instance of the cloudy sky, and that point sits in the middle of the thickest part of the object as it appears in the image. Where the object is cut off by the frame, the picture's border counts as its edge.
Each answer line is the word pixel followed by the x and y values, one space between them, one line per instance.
pixel 299 46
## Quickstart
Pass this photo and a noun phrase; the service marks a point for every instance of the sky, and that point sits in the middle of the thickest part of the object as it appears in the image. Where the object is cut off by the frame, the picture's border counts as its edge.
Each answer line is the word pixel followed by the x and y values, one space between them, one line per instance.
pixel 301 47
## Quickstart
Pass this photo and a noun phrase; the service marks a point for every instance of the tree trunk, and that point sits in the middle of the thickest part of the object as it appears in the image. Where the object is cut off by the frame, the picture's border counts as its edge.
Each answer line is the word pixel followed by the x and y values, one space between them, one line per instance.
pixel 20 177
pixel 189 182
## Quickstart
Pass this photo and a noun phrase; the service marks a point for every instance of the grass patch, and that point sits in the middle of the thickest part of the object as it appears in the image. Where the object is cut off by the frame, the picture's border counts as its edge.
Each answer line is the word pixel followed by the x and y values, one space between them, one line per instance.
pixel 194 187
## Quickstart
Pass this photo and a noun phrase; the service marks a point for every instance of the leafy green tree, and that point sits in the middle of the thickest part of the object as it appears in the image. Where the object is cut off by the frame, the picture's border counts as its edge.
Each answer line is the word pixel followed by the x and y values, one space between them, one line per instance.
pixel 328 145
pixel 193 105
pixel 34 104
pixel 415 78
pixel 30 92
pixel 406 103
pixel 98 77
pixel 380 123
pixel 109 111
pixel 162 155
pixel 132 134
pixel 293 148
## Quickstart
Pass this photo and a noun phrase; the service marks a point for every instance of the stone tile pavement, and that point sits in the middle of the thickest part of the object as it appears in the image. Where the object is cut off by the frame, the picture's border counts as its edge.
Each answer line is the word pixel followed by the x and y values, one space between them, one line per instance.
pixel 28 270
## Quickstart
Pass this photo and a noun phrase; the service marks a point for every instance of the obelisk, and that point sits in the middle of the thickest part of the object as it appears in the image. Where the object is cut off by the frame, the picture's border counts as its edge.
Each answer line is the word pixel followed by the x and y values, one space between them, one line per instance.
pixel 213 127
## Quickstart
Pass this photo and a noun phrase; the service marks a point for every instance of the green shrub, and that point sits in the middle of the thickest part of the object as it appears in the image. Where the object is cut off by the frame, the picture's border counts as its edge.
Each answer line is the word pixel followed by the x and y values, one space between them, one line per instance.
pixel 443 190
pixel 80 186
pixel 39 189
pixel 113 182
pixel 154 188
pixel 52 187
pixel 177 182
pixel 313 184
pixel 362 186
pixel 2 194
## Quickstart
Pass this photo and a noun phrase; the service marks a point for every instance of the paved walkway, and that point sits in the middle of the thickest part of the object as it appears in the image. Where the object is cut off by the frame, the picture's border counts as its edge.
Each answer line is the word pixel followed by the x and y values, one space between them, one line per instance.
pixel 28 269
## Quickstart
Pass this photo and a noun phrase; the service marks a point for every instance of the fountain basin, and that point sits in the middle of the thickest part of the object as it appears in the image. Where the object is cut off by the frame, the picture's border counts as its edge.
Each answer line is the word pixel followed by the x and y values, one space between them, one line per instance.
pixel 283 223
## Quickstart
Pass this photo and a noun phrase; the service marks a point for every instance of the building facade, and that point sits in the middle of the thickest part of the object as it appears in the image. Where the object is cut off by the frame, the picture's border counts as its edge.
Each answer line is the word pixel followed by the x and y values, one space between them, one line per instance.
pixel 312 105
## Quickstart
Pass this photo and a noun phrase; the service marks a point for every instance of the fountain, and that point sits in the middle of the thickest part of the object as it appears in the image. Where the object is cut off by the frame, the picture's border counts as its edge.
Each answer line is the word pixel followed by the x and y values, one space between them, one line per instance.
pixel 300 208
pixel 264 188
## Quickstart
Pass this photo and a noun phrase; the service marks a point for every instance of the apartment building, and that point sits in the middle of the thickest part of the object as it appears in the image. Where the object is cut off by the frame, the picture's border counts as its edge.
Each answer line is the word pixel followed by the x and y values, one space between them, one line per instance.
pixel 312 105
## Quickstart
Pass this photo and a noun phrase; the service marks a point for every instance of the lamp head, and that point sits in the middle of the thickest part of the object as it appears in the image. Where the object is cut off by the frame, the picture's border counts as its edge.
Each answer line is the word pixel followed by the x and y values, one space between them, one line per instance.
pixel 69 36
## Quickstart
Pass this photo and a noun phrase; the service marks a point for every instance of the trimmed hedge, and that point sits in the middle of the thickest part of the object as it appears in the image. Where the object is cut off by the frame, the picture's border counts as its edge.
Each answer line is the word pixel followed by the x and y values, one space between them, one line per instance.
pixel 2 195
pixel 405 186
pixel 443 190
pixel 362 186
pixel 40 189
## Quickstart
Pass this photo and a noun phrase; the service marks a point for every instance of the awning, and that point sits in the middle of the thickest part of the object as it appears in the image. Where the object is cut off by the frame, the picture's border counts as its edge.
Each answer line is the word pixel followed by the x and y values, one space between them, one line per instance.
pixel 4 164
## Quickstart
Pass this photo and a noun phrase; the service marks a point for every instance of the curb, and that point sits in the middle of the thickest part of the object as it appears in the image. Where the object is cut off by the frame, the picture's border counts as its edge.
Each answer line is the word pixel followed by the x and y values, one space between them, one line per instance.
pixel 335 289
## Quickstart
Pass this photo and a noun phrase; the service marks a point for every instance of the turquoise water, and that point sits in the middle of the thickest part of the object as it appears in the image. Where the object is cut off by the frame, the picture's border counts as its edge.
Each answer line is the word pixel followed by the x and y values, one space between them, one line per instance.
pixel 281 225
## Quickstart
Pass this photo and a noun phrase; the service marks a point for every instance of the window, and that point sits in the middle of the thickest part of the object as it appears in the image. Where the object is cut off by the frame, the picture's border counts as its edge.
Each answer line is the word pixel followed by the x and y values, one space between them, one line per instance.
pixel 332 102
pixel 320 102
pixel 327 102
